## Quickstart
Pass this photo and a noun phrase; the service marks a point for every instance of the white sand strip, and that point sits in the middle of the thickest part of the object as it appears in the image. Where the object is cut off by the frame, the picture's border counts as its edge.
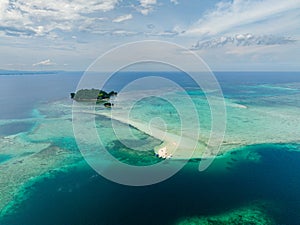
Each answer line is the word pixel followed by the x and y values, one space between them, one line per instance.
pixel 180 147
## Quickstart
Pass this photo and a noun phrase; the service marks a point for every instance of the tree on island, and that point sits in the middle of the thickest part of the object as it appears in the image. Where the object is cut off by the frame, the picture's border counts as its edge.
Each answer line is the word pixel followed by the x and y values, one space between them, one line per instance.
pixel 108 104
pixel 97 95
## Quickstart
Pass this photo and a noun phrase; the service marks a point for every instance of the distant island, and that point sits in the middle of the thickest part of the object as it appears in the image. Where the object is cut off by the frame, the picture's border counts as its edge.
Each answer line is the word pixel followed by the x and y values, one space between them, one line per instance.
pixel 100 96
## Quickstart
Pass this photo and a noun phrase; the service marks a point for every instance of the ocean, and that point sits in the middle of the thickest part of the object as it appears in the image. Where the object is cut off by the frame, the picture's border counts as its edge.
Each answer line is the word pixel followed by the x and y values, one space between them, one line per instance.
pixel 257 182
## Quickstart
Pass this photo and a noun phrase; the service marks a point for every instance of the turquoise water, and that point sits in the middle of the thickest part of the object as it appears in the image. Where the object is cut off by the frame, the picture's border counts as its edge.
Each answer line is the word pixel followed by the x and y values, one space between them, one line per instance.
pixel 262 108
pixel 4 158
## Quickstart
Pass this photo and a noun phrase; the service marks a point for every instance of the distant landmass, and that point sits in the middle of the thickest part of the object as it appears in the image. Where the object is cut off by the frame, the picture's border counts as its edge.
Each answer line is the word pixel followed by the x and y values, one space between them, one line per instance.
pixel 20 72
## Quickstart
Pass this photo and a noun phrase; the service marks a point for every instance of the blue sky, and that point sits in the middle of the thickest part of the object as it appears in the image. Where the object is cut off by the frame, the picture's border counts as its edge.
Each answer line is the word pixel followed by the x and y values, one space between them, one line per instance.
pixel 228 35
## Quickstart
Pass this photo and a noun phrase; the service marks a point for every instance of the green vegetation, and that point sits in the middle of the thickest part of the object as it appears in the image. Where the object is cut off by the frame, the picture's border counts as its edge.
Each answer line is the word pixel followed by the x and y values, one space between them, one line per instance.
pixel 97 95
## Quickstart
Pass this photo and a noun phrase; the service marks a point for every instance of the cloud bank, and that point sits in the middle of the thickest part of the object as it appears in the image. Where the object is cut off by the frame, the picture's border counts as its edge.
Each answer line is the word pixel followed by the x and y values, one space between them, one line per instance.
pixel 243 40
pixel 22 17
pixel 238 15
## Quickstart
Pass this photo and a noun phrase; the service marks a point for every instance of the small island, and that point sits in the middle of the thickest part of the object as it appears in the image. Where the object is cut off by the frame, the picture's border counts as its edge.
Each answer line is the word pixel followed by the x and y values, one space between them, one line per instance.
pixel 100 96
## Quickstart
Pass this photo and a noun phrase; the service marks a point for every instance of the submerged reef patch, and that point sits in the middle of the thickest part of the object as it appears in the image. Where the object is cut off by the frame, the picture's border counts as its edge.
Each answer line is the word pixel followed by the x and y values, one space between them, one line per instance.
pixel 247 215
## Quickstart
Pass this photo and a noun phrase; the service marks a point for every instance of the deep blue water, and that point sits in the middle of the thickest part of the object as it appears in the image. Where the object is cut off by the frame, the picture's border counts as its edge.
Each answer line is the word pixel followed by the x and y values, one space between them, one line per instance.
pixel 19 94
pixel 81 197
pixel 15 128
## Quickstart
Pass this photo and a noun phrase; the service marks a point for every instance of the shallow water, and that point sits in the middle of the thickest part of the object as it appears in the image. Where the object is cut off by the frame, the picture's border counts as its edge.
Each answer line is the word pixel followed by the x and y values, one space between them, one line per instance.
pixel 4 158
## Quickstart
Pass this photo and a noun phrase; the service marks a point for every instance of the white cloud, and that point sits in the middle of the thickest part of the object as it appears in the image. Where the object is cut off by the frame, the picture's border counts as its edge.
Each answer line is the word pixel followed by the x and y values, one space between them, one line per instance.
pixel 147 3
pixel 239 15
pixel 41 17
pixel 166 33
pixel 146 6
pixel 92 25
pixel 46 62
pixel 122 18
pixel 243 40
pixel 123 33
pixel 175 2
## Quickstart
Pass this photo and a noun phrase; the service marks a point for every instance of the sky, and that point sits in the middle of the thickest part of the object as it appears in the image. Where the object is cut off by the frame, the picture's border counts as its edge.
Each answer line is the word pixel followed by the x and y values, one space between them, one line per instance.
pixel 229 35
